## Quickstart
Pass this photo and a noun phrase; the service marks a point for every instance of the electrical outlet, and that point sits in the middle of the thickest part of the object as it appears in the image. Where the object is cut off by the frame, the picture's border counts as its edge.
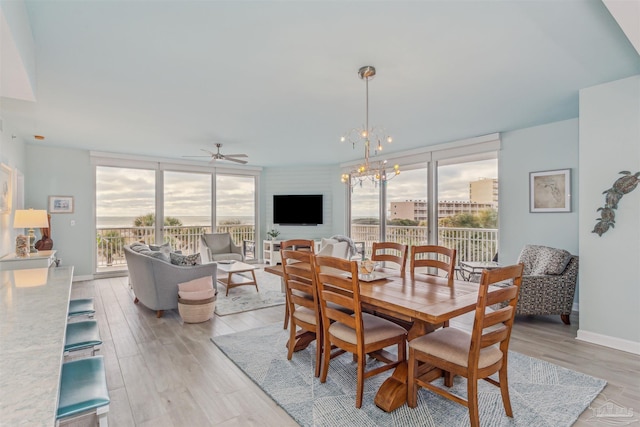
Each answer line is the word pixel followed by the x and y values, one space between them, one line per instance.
pixel 72 223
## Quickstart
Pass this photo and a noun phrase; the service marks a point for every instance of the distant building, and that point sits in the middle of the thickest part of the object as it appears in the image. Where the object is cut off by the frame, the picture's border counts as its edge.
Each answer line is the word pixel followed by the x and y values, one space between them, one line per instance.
pixel 417 210
pixel 485 190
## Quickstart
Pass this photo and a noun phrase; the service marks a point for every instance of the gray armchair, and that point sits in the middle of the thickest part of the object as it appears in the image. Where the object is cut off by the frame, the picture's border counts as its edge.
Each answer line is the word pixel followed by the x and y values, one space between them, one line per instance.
pixel 548 281
pixel 219 247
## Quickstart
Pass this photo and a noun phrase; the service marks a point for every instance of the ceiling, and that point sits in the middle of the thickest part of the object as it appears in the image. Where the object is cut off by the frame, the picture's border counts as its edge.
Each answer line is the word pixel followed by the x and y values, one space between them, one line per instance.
pixel 278 80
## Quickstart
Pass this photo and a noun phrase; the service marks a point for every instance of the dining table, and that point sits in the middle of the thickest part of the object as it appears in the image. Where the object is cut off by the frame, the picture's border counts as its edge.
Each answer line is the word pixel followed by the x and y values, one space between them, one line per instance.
pixel 421 304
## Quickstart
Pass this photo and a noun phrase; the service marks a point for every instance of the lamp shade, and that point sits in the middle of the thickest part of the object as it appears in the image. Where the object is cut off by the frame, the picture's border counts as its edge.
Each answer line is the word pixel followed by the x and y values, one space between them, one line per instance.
pixel 30 219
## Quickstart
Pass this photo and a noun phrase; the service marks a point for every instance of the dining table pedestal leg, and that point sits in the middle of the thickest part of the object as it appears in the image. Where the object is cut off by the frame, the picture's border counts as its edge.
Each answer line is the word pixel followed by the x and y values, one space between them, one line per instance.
pixel 303 339
pixel 393 391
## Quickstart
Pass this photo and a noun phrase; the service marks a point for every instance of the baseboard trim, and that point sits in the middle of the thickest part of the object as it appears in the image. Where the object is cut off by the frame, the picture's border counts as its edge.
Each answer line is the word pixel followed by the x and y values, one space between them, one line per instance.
pixel 608 341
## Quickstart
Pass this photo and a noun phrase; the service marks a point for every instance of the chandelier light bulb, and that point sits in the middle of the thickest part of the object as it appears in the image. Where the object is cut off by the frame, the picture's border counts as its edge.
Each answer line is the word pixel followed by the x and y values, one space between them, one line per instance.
pixel 389 139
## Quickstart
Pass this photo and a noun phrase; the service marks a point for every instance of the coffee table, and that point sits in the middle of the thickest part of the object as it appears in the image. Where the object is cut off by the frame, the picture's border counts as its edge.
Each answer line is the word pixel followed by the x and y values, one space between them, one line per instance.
pixel 226 272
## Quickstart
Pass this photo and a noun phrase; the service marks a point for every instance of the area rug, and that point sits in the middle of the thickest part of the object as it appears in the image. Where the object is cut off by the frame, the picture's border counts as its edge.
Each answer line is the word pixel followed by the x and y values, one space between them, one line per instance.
pixel 542 394
pixel 245 298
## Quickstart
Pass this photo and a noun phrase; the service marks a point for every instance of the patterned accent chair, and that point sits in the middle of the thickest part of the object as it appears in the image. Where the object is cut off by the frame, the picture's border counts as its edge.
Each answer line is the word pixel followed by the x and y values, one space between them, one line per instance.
pixel 548 282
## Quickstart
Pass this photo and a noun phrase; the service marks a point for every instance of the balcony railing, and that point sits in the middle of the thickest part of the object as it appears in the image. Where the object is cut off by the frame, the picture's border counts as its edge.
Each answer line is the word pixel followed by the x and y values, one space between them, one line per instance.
pixel 110 241
pixel 472 244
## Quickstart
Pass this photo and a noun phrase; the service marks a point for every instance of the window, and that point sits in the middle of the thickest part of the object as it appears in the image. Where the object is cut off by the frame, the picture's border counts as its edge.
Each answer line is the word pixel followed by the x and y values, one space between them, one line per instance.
pixel 187 209
pixel 235 210
pixel 451 188
pixel 125 212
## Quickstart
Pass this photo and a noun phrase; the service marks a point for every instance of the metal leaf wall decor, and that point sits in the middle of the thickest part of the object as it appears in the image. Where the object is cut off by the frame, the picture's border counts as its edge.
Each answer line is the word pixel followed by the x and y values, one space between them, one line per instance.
pixel 623 185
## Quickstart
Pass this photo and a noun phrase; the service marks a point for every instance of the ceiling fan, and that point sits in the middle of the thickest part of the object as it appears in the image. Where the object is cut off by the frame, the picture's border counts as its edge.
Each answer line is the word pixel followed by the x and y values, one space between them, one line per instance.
pixel 219 156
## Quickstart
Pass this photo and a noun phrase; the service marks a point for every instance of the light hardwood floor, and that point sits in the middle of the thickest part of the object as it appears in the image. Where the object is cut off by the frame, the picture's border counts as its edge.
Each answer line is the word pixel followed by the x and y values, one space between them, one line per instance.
pixel 161 372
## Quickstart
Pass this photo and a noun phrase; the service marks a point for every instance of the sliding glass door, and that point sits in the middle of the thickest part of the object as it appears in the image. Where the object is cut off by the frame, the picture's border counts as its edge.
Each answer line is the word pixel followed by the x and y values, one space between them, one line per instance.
pixel 468 207
pixel 187 209
pixel 235 210
pixel 125 212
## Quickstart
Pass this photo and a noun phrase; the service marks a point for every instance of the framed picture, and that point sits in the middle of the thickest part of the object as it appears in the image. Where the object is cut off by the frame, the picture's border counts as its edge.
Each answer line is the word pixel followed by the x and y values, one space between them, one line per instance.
pixel 550 191
pixel 6 189
pixel 60 204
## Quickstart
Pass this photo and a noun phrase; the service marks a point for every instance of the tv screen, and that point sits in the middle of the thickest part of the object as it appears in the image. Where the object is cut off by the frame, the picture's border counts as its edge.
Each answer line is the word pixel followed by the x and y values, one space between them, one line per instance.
pixel 297 209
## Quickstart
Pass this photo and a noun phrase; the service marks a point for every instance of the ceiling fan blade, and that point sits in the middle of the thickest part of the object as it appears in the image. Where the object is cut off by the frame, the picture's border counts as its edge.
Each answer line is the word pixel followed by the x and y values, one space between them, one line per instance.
pixel 209 152
pixel 235 160
pixel 236 155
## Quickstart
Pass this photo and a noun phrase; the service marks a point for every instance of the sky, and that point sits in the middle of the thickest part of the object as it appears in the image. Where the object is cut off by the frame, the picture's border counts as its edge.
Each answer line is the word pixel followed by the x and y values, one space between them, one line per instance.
pixel 131 192
pixel 453 184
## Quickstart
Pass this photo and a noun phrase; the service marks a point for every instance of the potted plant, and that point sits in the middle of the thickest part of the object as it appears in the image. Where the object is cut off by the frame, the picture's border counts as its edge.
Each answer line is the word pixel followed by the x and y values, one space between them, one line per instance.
pixel 273 233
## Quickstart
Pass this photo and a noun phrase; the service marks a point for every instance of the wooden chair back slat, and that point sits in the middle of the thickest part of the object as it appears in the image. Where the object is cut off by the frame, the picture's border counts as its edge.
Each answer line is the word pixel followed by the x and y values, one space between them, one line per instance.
pixel 482 337
pixel 434 256
pixel 335 286
pixel 392 252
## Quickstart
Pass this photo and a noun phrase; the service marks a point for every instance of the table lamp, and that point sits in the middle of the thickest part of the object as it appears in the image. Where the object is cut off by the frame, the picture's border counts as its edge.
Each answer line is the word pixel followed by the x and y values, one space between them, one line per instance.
pixel 31 219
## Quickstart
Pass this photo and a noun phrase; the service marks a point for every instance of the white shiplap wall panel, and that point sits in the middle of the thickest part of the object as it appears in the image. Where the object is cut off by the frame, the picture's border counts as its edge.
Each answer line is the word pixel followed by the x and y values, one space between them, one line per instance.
pixel 305 180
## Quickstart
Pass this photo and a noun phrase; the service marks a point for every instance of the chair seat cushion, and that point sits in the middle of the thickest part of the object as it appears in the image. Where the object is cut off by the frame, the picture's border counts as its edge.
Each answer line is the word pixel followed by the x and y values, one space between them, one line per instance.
pixel 82 335
pixel 83 386
pixel 81 306
pixel 375 329
pixel 453 345
pixel 226 257
pixel 305 314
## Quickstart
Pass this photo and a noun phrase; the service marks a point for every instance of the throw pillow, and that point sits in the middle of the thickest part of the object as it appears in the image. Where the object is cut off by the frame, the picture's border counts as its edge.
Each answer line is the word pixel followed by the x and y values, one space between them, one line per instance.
pixel 165 248
pixel 178 259
pixel 324 242
pixel 337 250
pixel 155 254
pixel 554 261
pixel 138 247
pixel 201 284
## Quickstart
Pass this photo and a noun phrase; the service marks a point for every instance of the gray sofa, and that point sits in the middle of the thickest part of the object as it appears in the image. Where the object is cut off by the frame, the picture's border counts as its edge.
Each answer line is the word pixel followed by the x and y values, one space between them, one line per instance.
pixel 155 280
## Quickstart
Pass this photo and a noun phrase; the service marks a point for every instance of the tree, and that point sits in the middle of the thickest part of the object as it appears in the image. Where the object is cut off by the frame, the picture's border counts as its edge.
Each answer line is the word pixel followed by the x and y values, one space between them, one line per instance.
pixel 149 220
pixel 366 221
pixel 404 222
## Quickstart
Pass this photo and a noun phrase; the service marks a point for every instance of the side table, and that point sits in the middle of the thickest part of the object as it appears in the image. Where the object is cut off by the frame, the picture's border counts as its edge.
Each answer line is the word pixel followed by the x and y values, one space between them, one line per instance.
pixel 468 269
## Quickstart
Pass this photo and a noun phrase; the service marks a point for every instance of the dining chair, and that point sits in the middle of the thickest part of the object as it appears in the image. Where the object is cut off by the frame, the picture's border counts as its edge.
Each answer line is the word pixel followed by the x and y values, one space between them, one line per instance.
pixel 390 251
pixel 434 256
pixel 475 355
pixel 298 245
pixel 360 333
pixel 302 299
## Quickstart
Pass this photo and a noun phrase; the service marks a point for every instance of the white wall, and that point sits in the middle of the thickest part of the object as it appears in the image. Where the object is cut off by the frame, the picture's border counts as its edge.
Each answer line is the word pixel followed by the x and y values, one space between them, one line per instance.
pixel 64 172
pixel 546 147
pixel 305 180
pixel 610 264
pixel 12 154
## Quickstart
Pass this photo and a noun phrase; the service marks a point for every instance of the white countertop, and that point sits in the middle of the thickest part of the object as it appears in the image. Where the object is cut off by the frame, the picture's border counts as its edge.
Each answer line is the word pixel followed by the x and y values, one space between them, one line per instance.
pixel 33 317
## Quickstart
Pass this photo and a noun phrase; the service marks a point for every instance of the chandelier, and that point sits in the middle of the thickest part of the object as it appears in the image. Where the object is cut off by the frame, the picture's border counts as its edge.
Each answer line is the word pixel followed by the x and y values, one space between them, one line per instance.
pixel 374 171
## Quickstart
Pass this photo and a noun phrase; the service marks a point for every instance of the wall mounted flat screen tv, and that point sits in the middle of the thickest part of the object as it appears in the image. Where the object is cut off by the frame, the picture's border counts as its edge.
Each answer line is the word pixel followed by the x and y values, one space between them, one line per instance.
pixel 297 209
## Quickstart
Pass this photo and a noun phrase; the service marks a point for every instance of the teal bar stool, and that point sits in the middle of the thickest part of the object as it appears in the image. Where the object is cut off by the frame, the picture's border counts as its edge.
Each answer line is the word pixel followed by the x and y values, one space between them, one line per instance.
pixel 83 390
pixel 81 307
pixel 81 336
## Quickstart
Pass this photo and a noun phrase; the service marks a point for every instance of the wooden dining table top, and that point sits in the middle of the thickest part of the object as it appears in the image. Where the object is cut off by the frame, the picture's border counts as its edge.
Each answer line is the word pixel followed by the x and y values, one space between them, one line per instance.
pixel 426 298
